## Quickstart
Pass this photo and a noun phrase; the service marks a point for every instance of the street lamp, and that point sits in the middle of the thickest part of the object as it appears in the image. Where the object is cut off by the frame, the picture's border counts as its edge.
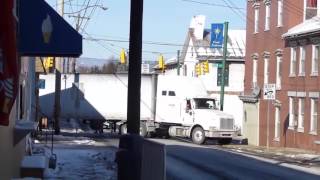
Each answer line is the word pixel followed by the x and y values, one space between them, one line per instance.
pixel 91 6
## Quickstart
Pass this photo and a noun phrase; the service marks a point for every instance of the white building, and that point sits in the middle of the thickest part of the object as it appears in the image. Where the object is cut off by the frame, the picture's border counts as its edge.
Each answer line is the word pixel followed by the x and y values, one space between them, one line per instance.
pixel 197 49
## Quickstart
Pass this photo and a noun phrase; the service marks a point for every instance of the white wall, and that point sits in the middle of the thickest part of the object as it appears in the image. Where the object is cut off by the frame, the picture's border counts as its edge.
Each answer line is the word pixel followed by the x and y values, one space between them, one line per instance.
pixel 11 154
pixel 236 78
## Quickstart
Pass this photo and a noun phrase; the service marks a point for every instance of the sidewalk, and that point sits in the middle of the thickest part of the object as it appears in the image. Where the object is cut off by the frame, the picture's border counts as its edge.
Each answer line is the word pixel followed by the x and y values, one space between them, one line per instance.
pixel 294 156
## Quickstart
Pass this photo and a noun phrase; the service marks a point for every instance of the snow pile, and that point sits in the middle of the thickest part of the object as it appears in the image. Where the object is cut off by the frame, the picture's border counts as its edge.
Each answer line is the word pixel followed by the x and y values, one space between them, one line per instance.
pixel 80 161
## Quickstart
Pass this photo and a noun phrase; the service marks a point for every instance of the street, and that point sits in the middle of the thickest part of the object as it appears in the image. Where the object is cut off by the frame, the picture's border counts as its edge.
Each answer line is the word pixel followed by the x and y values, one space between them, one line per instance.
pixel 84 154
pixel 188 161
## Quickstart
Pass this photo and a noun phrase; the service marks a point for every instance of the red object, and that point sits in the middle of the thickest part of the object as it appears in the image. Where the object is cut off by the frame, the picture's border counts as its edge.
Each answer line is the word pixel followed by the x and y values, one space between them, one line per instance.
pixel 8 61
pixel 312 3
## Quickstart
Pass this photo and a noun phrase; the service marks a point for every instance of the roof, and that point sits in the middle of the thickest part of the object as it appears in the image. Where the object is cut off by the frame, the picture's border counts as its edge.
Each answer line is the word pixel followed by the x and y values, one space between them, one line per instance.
pixel 308 26
pixel 236 45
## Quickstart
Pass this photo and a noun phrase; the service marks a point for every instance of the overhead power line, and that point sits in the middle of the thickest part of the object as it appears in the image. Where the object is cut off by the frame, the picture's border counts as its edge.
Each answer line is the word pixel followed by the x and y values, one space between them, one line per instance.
pixel 144 42
pixel 214 4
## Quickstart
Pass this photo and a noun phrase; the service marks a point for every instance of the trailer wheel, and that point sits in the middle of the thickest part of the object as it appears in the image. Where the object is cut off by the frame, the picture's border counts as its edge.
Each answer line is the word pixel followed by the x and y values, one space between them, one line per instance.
pixel 123 129
pixel 224 141
pixel 198 136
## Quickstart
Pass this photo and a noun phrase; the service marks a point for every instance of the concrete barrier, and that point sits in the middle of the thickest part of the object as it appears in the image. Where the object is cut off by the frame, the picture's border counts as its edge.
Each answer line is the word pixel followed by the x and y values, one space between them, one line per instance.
pixel 140 159
pixel 153 164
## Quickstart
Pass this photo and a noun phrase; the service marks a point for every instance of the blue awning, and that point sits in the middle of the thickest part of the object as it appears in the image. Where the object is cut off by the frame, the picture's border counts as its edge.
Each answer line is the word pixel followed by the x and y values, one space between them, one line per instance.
pixel 43 32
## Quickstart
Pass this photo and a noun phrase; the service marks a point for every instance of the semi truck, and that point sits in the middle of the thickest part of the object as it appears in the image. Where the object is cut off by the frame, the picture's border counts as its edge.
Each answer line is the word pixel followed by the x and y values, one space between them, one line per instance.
pixel 175 106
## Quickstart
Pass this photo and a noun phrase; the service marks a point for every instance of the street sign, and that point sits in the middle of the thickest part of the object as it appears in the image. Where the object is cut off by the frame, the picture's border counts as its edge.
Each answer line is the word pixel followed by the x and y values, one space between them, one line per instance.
pixel 269 92
pixel 216 35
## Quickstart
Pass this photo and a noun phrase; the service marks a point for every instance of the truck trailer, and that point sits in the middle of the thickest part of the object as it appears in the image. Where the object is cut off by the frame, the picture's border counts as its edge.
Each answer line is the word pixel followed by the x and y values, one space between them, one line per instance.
pixel 176 106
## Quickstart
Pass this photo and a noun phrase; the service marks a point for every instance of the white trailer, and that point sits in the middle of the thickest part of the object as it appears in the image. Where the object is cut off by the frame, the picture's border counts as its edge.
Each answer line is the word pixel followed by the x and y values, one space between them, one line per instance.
pixel 170 105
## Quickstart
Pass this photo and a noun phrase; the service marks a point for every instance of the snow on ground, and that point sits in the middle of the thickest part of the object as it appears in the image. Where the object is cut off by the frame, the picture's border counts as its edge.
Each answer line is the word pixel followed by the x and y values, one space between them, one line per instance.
pixel 80 159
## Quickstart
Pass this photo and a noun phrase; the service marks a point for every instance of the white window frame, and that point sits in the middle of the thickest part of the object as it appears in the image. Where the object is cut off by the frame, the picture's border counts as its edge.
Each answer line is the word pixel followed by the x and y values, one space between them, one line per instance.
pixel 267 18
pixel 256 19
pixel 315 60
pixel 301 114
pixel 314 116
pixel 266 70
pixel 291 113
pixel 293 62
pixel 255 72
pixel 302 61
pixel 280 13
pixel 278 71
pixel 277 124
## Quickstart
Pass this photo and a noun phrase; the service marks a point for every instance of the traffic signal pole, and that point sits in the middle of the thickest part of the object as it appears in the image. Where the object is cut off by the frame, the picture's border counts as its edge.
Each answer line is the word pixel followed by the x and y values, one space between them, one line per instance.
pixel 225 48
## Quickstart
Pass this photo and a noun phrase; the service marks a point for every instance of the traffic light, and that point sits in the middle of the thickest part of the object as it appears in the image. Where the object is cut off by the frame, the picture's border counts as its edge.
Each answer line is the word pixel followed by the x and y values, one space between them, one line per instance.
pixel 123 57
pixel 48 62
pixel 198 69
pixel 161 62
pixel 205 66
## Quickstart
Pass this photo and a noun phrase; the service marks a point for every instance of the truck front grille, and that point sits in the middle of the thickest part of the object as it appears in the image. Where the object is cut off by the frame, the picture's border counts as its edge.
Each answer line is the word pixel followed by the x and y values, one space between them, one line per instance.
pixel 226 123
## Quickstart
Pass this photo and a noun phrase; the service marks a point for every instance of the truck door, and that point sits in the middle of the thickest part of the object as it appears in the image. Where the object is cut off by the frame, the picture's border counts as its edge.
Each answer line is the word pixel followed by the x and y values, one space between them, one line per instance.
pixel 188 113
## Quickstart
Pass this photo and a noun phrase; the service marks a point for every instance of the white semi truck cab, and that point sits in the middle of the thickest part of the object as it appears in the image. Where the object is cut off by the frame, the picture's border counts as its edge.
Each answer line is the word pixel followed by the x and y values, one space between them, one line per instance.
pixel 201 119
pixel 184 109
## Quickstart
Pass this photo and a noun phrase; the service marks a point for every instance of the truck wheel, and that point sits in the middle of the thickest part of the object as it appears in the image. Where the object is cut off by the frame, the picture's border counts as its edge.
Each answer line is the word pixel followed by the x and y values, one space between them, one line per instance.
pixel 224 141
pixel 123 129
pixel 198 136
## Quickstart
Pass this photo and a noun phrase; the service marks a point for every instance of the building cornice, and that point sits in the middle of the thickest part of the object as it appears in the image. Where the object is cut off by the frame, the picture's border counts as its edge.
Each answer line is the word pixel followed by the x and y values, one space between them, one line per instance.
pixel 256 5
pixel 248 98
pixel 266 54
pixel 278 52
pixel 267 2
pixel 255 56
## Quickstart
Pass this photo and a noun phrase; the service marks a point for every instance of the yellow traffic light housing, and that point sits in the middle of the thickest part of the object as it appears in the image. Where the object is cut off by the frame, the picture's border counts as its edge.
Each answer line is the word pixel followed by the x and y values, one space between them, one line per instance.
pixel 205 66
pixel 161 62
pixel 48 62
pixel 123 57
pixel 198 69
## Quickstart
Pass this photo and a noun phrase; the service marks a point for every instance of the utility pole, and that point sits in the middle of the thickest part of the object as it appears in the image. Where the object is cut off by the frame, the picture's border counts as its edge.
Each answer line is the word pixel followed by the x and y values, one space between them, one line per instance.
pixel 73 60
pixel 57 61
pixel 225 49
pixel 134 77
pixel 178 63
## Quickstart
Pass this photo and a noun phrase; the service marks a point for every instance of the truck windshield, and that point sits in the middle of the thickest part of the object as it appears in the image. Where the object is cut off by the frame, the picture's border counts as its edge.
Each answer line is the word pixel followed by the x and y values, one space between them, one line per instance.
pixel 202 103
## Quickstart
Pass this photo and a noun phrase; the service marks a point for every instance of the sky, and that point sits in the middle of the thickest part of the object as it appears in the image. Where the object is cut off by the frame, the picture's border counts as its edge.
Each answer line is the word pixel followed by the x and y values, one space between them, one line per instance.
pixel 164 21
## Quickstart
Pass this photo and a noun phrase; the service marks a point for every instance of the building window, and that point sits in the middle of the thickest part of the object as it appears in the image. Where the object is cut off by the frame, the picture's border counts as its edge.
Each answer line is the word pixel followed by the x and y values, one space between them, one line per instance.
pixel 278 75
pixel 226 76
pixel 310 9
pixel 315 60
pixel 277 123
pixel 256 17
pixel 255 72
pixel 302 61
pixel 293 62
pixel 280 13
pixel 291 113
pixel 267 19
pixel 266 67
pixel 314 116
pixel 301 115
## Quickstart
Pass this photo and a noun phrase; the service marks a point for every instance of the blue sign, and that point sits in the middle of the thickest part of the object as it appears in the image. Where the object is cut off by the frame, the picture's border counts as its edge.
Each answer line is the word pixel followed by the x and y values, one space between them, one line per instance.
pixel 43 32
pixel 42 84
pixel 216 35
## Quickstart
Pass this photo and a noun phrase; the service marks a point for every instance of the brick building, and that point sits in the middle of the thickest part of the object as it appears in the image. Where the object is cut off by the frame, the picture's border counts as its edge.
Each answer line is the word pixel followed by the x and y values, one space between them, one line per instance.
pixel 277 54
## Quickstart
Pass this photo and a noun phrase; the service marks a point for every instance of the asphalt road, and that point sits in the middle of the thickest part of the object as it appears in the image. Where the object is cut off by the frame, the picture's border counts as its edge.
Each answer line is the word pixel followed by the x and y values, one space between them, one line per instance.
pixel 186 161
